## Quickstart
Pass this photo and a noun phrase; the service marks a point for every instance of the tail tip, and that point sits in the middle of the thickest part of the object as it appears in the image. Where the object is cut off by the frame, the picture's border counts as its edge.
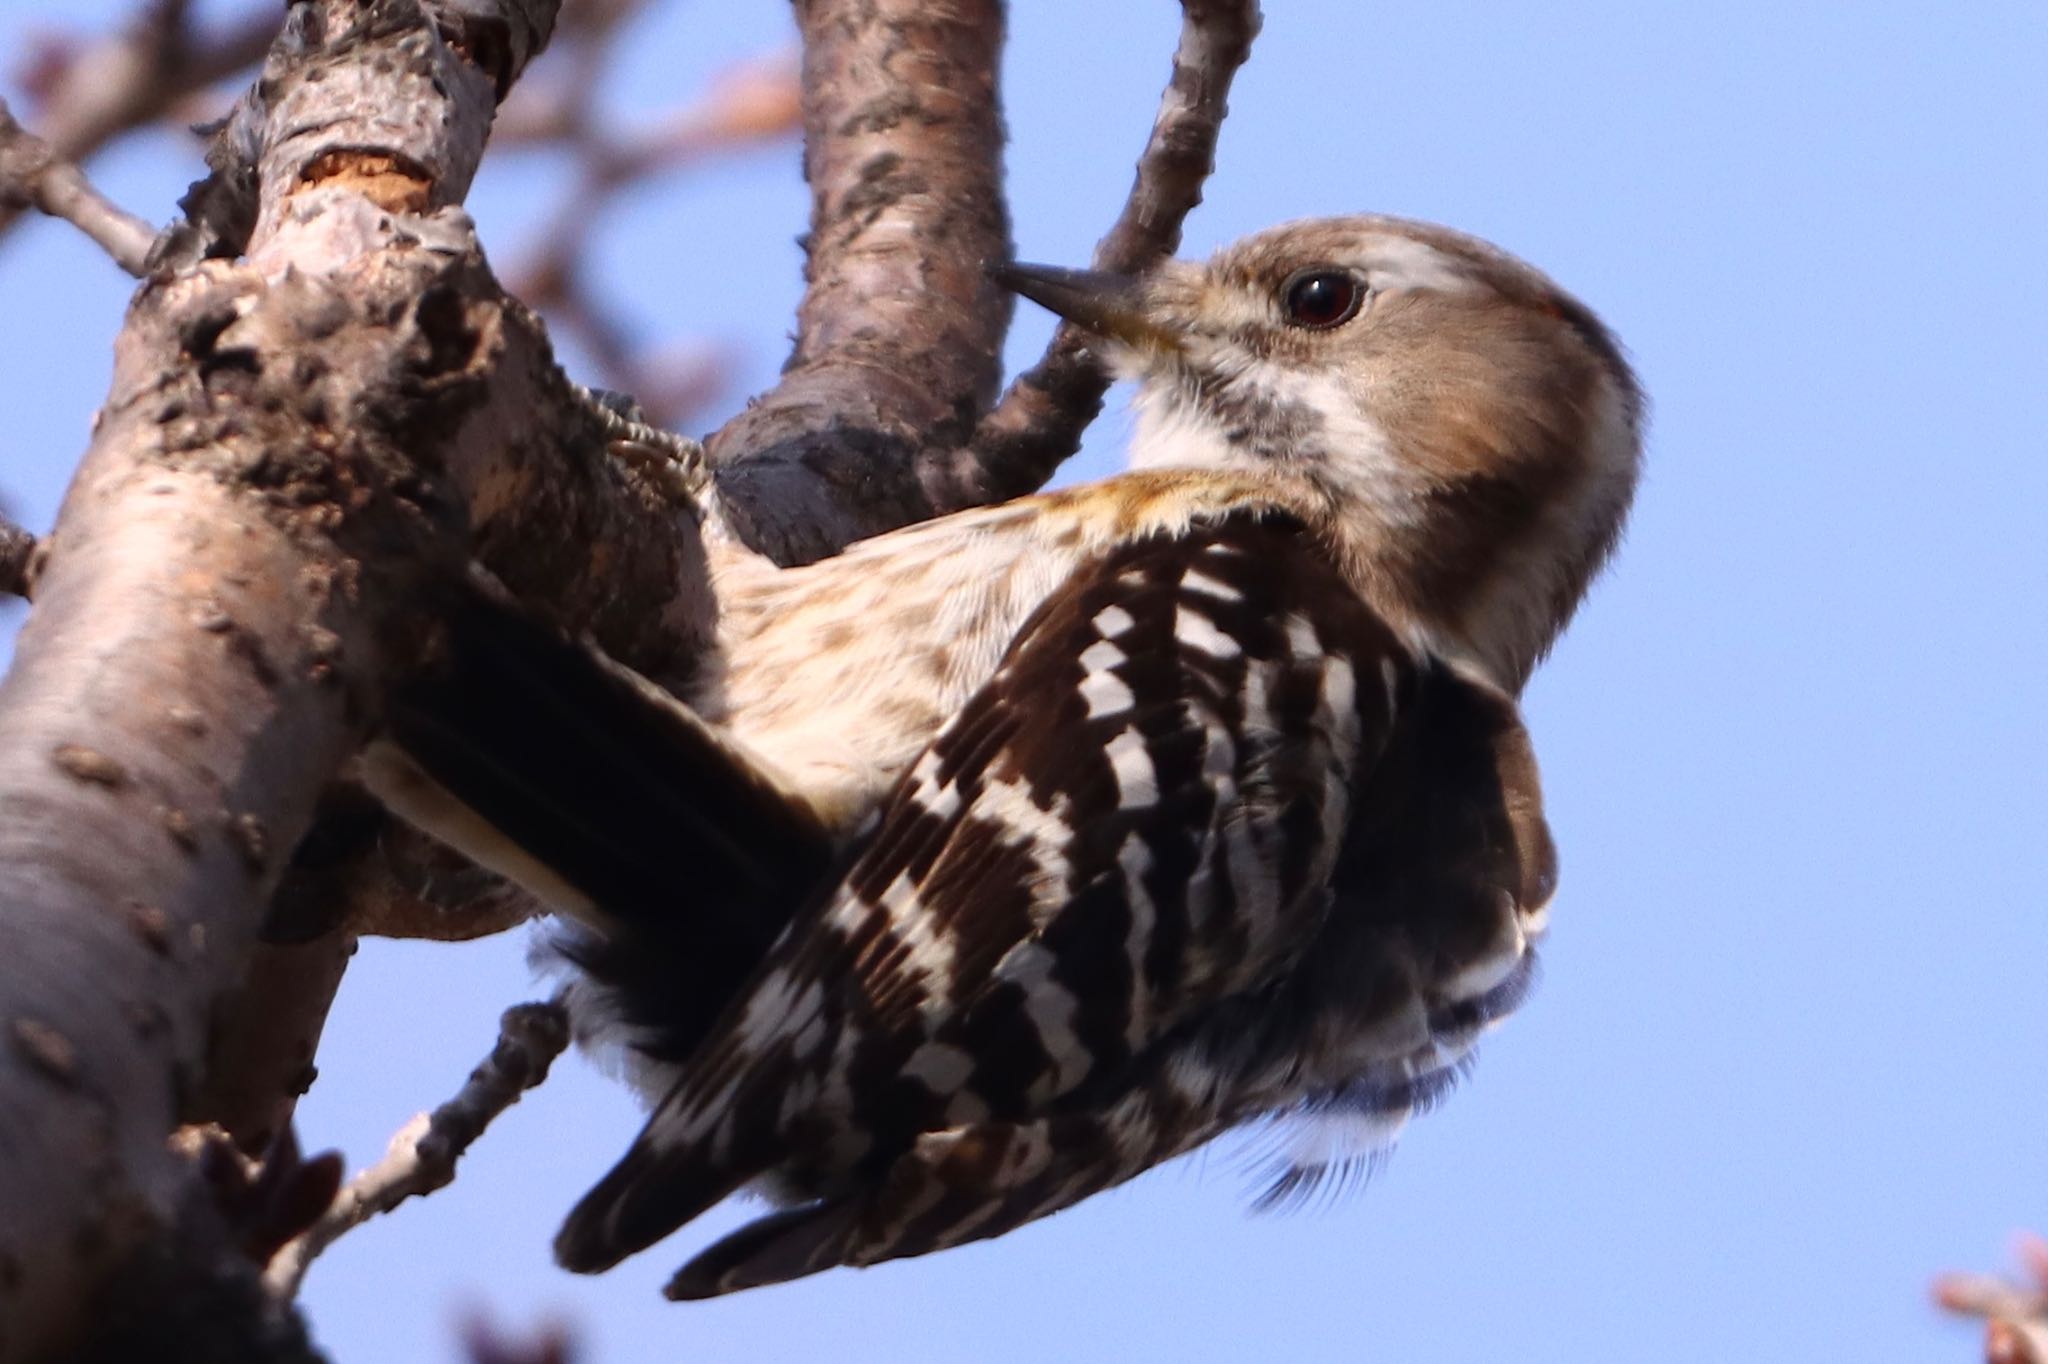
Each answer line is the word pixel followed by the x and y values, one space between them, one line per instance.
pixel 582 1248
pixel 791 1244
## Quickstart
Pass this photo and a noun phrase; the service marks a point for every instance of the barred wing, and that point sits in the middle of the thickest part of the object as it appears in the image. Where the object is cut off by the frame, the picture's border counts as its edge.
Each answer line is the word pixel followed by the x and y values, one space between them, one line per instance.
pixel 1135 819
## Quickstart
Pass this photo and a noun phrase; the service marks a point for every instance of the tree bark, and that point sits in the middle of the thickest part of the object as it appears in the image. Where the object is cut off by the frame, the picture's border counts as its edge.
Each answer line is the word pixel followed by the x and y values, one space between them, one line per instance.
pixel 899 334
pixel 294 446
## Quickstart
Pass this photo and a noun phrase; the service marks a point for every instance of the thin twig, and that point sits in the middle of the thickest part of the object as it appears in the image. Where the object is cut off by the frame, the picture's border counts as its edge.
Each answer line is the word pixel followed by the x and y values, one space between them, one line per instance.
pixel 32 173
pixel 422 1155
pixel 90 94
pixel 2015 1314
pixel 1040 419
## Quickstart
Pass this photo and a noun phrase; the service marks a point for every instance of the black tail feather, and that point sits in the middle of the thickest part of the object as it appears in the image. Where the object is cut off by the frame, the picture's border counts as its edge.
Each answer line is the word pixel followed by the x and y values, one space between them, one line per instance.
pixel 694 858
pixel 646 1196
pixel 769 1250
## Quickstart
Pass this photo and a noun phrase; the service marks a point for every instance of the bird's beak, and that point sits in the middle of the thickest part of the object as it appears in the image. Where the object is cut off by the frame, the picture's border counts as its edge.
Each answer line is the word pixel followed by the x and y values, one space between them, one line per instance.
pixel 1109 305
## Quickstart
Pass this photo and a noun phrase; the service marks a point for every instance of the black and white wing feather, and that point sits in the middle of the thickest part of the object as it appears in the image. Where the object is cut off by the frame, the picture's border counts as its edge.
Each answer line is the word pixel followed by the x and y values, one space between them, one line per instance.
pixel 1004 1003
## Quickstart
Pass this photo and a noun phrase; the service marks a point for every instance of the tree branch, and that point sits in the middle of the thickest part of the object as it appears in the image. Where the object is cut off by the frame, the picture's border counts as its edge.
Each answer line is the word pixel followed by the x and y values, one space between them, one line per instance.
pixel 422 1155
pixel 357 872
pixel 899 331
pixel 291 448
pixel 2014 1311
pixel 895 219
pixel 1039 421
pixel 135 76
pixel 32 174
pixel 262 1037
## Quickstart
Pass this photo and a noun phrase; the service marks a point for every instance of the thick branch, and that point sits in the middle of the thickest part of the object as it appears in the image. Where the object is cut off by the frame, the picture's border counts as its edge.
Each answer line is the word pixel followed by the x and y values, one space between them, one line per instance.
pixel 32 173
pixel 1039 422
pixel 899 331
pixel 358 872
pixel 612 551
pixel 291 447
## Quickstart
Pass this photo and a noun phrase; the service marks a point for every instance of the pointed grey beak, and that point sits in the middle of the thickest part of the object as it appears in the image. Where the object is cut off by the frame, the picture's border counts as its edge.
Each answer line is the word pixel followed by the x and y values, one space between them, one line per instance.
pixel 1108 305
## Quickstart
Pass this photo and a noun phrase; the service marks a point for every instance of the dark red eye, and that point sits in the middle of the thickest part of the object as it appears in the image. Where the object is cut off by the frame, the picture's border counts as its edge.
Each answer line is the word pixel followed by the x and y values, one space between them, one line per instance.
pixel 1322 298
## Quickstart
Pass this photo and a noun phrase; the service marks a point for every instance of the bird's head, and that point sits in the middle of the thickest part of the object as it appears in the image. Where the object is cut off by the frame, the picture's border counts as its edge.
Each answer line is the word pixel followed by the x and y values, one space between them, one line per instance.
pixel 1471 430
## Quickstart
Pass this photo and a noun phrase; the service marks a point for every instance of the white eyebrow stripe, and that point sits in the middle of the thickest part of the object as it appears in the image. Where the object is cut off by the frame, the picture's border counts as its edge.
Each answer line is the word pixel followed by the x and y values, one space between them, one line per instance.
pixel 1405 263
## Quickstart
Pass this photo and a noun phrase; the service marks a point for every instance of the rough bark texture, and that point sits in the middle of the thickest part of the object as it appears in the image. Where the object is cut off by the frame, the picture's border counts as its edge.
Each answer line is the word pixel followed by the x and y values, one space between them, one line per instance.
pixel 188 663
pixel 899 333
pixel 291 445
pixel 883 414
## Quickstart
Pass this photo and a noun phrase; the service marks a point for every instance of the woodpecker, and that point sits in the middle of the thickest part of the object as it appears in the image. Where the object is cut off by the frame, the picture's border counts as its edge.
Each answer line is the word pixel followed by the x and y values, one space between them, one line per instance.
pixel 1000 858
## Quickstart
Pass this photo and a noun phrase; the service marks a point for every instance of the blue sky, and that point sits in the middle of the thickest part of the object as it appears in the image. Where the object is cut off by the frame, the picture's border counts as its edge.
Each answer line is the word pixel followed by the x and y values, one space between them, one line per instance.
pixel 1788 1057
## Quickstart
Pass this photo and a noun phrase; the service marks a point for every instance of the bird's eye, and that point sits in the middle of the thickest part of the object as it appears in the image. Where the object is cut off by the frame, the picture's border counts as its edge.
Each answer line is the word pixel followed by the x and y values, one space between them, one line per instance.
pixel 1322 298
